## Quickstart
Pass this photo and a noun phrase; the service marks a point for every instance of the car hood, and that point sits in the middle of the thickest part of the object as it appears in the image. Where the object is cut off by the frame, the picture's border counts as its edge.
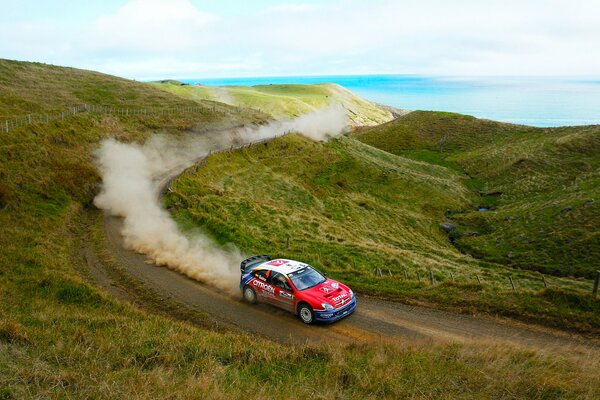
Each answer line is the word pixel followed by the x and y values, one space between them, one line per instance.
pixel 333 292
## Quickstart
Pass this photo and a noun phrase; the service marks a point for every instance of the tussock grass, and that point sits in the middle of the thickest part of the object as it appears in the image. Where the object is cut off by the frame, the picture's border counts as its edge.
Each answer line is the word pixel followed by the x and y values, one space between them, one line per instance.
pixel 349 209
pixel 541 187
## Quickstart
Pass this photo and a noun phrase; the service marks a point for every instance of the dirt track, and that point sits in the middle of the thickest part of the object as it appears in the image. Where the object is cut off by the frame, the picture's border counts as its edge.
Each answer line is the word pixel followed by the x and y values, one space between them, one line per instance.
pixel 374 320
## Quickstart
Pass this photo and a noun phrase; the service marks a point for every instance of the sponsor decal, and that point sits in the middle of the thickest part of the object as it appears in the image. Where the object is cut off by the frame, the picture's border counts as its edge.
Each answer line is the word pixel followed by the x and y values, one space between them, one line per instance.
pixel 325 289
pixel 341 296
pixel 335 285
pixel 265 287
pixel 285 294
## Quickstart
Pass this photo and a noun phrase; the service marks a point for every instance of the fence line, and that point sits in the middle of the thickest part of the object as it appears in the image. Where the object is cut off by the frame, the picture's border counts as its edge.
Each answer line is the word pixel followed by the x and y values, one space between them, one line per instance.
pixel 433 279
pixel 29 119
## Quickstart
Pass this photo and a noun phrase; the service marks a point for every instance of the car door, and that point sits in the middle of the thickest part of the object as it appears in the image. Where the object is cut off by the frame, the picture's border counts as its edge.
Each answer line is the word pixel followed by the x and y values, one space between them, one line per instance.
pixel 264 290
pixel 284 294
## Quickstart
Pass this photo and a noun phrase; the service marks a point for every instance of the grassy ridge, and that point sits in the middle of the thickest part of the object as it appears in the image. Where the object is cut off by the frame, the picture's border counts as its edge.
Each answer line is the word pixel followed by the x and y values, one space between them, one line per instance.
pixel 38 88
pixel 60 337
pixel 349 208
pixel 541 187
pixel 285 101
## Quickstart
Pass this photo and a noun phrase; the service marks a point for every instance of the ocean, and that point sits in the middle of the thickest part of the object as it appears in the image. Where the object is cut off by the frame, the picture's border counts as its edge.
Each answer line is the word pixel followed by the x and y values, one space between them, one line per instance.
pixel 545 102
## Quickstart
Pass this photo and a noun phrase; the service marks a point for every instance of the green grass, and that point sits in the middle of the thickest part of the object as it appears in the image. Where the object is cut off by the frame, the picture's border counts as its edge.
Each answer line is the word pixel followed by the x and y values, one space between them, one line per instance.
pixel 541 186
pixel 285 101
pixel 61 337
pixel 349 208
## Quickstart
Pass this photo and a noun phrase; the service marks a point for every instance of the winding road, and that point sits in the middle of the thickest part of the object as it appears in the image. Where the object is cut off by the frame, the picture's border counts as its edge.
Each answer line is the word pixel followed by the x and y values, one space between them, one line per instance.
pixel 374 320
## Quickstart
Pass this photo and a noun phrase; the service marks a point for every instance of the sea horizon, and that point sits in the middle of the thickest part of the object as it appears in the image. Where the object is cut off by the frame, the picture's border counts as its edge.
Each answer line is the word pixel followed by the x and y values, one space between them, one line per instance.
pixel 536 101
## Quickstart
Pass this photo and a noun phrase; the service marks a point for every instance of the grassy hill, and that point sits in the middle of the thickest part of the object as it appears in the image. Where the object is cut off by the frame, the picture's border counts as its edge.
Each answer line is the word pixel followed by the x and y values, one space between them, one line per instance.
pixel 540 187
pixel 39 88
pixel 285 101
pixel 61 337
pixel 349 209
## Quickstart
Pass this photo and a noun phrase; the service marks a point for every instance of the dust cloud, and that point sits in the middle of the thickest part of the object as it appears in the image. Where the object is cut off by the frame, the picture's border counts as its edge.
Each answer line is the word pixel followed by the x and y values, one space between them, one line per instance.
pixel 134 174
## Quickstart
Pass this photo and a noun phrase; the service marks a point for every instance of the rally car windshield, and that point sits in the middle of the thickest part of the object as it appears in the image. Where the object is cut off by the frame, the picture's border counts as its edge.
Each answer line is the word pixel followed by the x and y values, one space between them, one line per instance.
pixel 306 278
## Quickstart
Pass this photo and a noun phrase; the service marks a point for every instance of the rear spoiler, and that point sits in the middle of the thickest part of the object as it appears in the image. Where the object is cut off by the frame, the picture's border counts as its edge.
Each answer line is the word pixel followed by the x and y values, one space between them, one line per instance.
pixel 249 262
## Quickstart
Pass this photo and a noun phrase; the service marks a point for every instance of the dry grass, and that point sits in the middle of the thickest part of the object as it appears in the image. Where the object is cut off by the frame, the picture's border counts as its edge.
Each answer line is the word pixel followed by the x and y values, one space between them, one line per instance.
pixel 285 101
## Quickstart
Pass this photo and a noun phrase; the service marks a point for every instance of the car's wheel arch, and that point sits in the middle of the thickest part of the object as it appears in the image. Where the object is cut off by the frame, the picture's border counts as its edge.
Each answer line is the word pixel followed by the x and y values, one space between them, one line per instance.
pixel 300 303
pixel 255 299
pixel 304 305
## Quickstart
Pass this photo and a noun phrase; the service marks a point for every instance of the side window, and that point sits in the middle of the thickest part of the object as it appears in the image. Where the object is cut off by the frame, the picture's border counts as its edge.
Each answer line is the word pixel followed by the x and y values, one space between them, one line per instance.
pixel 280 281
pixel 261 274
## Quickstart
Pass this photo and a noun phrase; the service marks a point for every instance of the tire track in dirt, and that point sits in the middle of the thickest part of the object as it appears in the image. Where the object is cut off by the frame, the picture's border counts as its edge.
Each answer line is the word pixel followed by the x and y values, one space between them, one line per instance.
pixel 374 320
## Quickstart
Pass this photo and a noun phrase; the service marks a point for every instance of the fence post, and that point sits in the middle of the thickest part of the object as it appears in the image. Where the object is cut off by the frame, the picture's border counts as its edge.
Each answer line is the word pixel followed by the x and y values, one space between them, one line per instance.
pixel 452 275
pixel 405 275
pixel 478 278
pixel 596 283
pixel 544 280
pixel 6 126
pixel 418 276
pixel 431 277
pixel 512 283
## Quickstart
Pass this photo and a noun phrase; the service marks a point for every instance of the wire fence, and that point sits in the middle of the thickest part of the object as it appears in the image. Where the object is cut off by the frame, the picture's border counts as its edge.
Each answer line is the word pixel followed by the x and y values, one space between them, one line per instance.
pixel 29 119
pixel 427 277
pixel 431 278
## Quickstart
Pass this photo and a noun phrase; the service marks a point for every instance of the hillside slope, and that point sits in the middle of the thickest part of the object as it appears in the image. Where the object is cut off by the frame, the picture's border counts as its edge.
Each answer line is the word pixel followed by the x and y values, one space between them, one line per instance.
pixel 351 210
pixel 538 188
pixel 37 88
pixel 285 101
pixel 61 337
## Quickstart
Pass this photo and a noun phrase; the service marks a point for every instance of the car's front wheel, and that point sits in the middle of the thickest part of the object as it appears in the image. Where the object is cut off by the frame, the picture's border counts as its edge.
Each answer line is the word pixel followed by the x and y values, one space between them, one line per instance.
pixel 306 314
pixel 249 295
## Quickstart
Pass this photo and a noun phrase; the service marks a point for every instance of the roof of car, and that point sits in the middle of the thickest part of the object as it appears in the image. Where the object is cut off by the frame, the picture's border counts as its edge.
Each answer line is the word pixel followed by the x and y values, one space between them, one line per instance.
pixel 282 265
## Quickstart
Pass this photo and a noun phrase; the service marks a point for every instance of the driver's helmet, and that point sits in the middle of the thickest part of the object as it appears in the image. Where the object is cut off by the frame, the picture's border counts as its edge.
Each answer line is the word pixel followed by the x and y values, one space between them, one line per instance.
pixel 281 281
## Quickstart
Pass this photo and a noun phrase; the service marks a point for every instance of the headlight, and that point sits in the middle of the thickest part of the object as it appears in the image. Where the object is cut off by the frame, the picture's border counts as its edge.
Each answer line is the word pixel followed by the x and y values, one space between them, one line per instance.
pixel 351 293
pixel 327 306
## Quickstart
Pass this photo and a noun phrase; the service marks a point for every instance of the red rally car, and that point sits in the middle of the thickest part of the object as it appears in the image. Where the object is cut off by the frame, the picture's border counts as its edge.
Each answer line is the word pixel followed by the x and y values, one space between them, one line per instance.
pixel 295 287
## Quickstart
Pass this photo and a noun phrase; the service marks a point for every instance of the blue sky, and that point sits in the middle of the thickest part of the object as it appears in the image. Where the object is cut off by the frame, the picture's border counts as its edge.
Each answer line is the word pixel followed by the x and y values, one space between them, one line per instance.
pixel 151 39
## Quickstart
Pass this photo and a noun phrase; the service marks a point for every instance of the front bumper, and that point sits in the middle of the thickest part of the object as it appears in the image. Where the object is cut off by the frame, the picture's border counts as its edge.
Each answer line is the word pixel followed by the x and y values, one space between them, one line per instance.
pixel 328 316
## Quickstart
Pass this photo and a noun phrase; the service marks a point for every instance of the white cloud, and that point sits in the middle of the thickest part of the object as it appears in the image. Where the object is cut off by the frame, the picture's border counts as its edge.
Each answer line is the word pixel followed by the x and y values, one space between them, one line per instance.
pixel 146 38
pixel 150 26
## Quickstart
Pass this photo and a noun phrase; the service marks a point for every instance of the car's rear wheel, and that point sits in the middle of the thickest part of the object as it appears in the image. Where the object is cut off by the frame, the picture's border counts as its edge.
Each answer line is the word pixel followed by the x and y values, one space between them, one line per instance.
pixel 249 295
pixel 306 314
